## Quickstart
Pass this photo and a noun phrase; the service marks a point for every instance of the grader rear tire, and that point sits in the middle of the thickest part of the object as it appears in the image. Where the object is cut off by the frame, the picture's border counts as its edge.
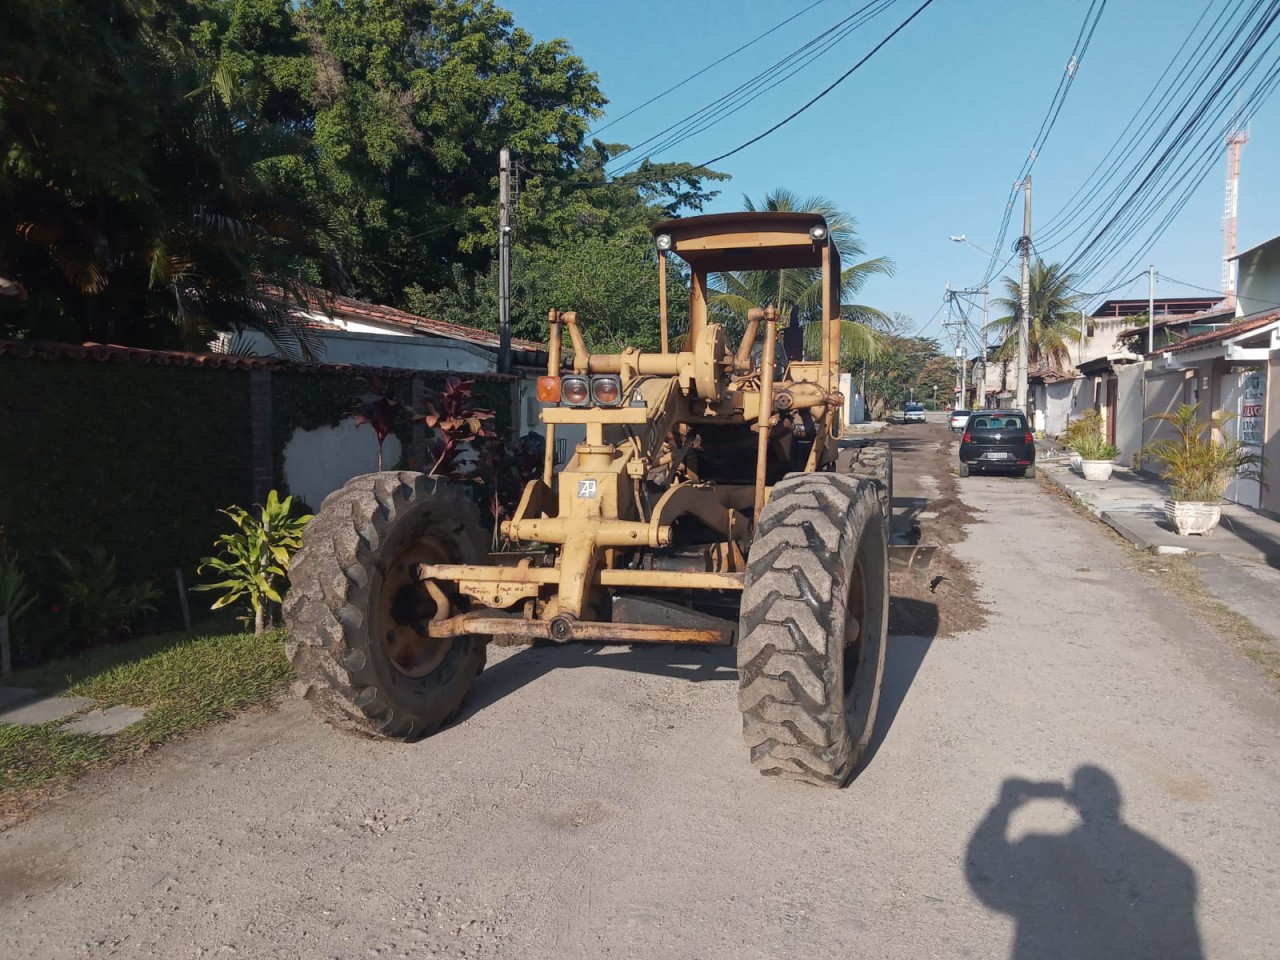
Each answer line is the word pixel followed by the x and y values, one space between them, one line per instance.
pixel 357 617
pixel 813 627
pixel 874 461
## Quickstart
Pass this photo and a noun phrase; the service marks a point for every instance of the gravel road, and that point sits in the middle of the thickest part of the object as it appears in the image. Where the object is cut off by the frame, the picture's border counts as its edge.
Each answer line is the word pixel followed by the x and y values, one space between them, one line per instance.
pixel 599 803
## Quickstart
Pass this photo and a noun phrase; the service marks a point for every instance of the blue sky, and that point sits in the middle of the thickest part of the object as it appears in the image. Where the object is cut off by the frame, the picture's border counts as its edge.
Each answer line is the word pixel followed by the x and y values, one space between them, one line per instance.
pixel 926 139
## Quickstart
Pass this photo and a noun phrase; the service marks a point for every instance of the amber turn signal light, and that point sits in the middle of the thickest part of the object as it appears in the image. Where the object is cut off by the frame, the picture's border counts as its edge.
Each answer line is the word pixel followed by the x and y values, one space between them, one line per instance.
pixel 548 389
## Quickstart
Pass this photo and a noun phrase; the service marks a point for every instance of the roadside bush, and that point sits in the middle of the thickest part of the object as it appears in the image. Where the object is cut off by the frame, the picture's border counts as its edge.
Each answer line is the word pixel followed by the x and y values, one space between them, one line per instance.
pixel 255 559
pixel 1200 460
pixel 95 606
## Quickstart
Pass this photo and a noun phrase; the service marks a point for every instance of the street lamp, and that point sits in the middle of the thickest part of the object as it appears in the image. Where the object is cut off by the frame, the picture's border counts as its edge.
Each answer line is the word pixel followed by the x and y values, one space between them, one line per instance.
pixel 961 238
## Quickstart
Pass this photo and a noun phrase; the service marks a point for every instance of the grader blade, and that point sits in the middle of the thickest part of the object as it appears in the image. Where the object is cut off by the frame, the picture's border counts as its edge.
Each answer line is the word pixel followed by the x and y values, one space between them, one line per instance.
pixel 912 558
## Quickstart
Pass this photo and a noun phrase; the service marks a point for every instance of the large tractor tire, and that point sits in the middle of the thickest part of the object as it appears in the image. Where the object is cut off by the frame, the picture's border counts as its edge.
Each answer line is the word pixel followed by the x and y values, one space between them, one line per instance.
pixel 813 627
pixel 357 616
pixel 874 461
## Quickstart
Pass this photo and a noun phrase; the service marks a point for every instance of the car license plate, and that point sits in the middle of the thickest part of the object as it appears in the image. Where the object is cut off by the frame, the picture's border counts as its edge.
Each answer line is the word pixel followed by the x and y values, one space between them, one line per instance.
pixel 995 456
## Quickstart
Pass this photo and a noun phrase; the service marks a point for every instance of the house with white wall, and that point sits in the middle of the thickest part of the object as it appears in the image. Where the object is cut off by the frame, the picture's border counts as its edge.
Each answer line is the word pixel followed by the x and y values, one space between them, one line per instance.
pixel 351 331
pixel 1232 364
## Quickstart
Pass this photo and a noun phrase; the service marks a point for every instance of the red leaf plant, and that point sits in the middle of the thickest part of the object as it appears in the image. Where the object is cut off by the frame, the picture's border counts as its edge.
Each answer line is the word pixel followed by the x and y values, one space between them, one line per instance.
pixel 380 409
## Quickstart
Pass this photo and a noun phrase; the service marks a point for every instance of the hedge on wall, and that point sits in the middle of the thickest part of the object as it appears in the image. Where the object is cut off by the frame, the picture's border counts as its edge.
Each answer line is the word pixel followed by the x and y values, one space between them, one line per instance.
pixel 139 457
pixel 133 457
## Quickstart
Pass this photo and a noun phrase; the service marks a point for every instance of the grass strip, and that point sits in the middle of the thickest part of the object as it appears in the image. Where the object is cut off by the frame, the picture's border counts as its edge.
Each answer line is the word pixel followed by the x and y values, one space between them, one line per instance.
pixel 184 682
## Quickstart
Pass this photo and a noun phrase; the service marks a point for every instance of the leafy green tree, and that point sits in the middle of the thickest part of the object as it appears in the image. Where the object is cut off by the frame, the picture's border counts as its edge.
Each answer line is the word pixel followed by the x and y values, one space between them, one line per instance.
pixel 413 101
pixel 137 201
pixel 1053 325
pixel 903 367
pixel 583 244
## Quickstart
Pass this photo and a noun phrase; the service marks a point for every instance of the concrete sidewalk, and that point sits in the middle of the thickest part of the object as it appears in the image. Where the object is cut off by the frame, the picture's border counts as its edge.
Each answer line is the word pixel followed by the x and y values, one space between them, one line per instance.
pixel 1239 562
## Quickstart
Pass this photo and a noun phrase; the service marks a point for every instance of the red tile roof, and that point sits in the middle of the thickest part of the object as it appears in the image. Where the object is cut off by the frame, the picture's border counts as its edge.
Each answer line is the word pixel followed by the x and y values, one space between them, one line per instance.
pixel 106 352
pixel 1048 374
pixel 1223 333
pixel 350 307
pixel 1216 315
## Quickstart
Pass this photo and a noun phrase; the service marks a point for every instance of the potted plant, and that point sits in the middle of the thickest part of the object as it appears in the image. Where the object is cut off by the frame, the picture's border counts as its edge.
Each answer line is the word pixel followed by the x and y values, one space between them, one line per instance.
pixel 1199 461
pixel 1097 456
pixel 1087 424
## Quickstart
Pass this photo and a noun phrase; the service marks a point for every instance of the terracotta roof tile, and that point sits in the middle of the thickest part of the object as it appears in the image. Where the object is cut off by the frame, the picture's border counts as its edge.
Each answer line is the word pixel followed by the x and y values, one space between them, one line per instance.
pixel 1223 333
pixel 107 352
pixel 349 306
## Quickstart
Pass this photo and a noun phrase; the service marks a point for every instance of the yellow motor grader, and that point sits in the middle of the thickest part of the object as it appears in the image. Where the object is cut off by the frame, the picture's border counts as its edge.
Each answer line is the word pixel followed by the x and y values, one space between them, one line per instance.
pixel 703 507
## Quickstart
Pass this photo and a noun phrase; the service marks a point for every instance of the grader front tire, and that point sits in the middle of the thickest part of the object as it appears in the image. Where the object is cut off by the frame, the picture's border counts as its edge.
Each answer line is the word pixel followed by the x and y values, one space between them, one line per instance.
pixel 813 629
pixel 357 616
pixel 874 461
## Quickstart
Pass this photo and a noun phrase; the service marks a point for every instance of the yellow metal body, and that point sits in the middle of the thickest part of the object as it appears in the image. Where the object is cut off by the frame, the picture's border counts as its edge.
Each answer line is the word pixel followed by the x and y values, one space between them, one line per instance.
pixel 662 496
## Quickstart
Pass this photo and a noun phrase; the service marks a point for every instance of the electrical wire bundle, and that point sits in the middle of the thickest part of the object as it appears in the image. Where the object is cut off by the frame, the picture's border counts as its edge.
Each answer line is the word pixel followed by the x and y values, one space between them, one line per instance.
pixel 1221 76
pixel 725 106
pixel 1081 46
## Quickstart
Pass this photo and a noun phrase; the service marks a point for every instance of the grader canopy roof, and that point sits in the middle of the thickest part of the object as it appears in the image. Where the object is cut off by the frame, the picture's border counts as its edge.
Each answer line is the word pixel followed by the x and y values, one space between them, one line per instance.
pixel 724 242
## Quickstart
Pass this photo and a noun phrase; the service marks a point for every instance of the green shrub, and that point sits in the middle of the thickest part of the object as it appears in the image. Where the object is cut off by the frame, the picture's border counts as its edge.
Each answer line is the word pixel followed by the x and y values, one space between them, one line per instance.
pixel 1201 459
pixel 16 597
pixel 255 559
pixel 96 606
pixel 1095 447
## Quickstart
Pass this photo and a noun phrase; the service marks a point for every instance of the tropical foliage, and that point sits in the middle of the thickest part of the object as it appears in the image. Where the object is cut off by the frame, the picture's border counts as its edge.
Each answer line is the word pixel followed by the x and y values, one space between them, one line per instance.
pixel 797 292
pixel 255 559
pixel 1201 459
pixel 1053 323
pixel 95 604
pixel 166 162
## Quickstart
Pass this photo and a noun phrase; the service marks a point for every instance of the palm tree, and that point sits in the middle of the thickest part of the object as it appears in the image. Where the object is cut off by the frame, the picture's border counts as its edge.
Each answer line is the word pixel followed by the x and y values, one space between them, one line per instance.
pixel 1052 326
pixel 797 292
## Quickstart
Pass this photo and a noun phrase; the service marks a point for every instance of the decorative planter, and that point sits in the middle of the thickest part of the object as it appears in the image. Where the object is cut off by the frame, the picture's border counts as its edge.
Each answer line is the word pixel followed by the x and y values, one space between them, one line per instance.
pixel 1076 460
pixel 1192 516
pixel 1097 469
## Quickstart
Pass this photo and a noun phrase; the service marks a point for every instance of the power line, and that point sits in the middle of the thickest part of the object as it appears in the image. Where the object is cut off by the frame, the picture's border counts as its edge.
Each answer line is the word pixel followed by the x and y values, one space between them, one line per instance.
pixel 839 80
pixel 745 93
pixel 1179 156
pixel 693 76
pixel 1084 36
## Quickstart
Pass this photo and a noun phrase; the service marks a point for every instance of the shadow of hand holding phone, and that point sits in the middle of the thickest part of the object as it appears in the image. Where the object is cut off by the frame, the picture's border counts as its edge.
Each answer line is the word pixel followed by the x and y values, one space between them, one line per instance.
pixel 1101 891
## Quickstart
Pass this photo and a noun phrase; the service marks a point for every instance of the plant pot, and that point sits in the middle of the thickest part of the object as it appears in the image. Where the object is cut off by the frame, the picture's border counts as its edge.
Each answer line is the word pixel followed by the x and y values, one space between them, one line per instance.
pixel 1097 469
pixel 1076 460
pixel 1193 516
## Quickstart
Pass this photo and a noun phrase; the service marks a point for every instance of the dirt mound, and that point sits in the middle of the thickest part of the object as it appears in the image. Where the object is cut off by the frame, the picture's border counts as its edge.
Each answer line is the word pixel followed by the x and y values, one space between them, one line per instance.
pixel 945 602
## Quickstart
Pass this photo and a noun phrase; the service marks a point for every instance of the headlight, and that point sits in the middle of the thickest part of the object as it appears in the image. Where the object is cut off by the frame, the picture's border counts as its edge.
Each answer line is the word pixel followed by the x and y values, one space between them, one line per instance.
pixel 663 240
pixel 575 391
pixel 606 391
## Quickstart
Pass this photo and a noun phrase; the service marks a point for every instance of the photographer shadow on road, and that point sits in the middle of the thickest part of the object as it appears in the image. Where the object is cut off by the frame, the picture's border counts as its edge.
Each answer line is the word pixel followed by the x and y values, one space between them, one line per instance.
pixel 1101 891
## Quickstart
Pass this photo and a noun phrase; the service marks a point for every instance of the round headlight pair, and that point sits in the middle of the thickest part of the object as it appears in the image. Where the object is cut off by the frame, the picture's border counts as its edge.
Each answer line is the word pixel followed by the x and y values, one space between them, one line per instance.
pixel 605 391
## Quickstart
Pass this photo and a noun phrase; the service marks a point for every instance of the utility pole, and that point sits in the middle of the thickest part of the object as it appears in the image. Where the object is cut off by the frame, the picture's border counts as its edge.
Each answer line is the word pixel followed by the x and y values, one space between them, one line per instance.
pixel 504 260
pixel 982 396
pixel 1025 298
pixel 1151 309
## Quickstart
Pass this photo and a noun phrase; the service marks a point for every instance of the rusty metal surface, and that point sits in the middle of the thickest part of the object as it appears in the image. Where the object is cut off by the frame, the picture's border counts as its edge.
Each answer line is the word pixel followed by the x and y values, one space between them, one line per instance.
pixel 652 611
pixel 651 579
pixel 590 631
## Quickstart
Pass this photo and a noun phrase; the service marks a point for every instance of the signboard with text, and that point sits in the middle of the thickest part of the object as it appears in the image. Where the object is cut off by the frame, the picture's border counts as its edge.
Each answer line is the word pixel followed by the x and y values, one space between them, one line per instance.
pixel 1251 405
